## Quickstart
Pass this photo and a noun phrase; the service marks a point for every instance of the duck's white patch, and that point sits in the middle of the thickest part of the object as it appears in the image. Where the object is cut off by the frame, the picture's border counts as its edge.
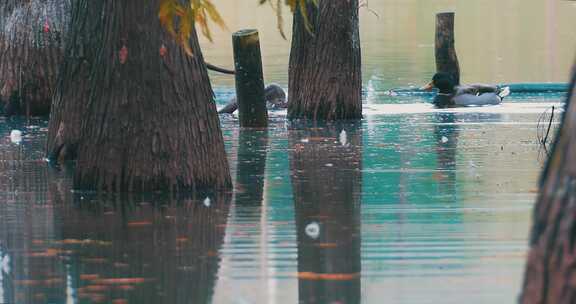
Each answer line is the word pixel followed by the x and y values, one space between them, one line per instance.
pixel 313 230
pixel 207 202
pixel 16 136
pixel 504 92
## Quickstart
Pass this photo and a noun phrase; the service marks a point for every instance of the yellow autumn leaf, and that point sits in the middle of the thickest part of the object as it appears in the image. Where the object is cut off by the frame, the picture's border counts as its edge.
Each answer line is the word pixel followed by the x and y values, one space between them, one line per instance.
pixel 199 12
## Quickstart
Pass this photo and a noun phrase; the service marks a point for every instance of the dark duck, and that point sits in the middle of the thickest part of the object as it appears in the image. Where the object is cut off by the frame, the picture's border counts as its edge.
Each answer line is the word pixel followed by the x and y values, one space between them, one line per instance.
pixel 273 94
pixel 452 95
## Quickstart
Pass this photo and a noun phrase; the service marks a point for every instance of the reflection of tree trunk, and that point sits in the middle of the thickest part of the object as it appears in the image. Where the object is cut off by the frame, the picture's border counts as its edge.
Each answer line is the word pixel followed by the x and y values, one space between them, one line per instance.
pixel 550 276
pixel 251 166
pixel 327 184
pixel 31 47
pixel 169 249
pixel 35 272
pixel 325 73
pixel 446 136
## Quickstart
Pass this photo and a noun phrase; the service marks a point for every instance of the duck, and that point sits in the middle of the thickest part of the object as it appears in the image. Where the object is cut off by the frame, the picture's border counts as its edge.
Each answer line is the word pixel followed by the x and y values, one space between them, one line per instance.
pixel 452 95
pixel 274 95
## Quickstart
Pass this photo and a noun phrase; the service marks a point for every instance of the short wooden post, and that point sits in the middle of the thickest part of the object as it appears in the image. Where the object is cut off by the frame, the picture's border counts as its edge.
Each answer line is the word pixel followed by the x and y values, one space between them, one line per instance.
pixel 249 80
pixel 446 59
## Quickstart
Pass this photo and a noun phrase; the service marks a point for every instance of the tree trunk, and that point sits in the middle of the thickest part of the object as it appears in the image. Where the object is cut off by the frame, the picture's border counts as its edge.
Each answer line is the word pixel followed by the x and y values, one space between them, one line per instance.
pixel 73 86
pixel 550 276
pixel 325 80
pixel 445 51
pixel 31 48
pixel 326 166
pixel 149 121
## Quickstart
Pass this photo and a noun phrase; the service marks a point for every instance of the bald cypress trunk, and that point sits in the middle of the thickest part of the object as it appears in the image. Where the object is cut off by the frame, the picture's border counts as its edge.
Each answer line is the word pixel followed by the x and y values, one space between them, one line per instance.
pixel 73 86
pixel 147 117
pixel 550 276
pixel 325 81
pixel 31 48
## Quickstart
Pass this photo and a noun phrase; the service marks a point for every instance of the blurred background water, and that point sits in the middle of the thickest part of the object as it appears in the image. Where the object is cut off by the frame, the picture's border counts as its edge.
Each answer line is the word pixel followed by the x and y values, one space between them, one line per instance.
pixel 411 205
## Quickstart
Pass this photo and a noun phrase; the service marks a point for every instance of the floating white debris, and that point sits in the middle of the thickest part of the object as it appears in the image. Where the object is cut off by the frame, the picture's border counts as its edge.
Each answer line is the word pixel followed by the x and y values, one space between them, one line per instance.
pixel 16 136
pixel 343 138
pixel 313 230
pixel 444 139
pixel 207 202
pixel 304 140
pixel 329 165
pixel 4 263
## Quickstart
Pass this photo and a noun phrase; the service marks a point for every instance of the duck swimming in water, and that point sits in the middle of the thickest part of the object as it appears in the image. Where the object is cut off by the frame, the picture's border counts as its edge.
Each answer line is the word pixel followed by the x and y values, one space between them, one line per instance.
pixel 451 95
pixel 273 94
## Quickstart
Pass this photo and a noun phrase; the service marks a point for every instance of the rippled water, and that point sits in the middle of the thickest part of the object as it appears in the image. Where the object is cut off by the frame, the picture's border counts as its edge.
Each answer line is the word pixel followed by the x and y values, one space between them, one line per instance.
pixel 417 207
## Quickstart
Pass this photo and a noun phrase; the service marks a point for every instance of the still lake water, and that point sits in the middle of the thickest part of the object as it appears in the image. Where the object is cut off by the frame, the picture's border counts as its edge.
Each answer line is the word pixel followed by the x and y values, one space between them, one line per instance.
pixel 412 205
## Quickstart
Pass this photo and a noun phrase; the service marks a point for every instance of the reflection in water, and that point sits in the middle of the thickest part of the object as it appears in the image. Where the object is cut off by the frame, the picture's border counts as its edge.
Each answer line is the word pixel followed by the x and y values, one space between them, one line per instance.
pixel 251 165
pixel 421 222
pixel 28 274
pixel 326 168
pixel 446 136
pixel 115 249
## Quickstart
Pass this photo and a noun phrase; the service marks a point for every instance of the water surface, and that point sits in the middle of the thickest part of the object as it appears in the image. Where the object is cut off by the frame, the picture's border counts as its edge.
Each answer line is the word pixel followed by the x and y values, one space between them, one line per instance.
pixel 410 207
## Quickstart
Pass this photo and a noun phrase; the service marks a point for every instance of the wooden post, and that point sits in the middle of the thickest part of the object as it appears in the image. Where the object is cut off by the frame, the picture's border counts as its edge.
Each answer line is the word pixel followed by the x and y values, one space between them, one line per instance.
pixel 446 59
pixel 249 80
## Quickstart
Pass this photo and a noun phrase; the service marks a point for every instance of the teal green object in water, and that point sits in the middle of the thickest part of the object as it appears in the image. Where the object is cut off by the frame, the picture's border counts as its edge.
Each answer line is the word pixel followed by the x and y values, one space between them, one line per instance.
pixel 537 87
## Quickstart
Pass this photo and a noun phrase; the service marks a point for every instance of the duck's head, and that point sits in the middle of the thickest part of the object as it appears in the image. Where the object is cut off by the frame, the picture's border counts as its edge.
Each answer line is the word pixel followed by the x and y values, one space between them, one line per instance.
pixel 443 82
pixel 274 94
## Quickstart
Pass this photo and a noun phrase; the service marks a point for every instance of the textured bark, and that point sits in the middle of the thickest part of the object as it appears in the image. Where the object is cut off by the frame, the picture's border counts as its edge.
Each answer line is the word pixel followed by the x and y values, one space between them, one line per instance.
pixel 327 188
pixel 31 48
pixel 550 276
pixel 445 51
pixel 249 79
pixel 73 86
pixel 325 80
pixel 149 121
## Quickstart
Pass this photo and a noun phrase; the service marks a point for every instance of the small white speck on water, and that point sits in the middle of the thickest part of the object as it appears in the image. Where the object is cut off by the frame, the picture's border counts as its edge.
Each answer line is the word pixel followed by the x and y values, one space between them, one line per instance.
pixel 329 165
pixel 207 202
pixel 4 264
pixel 444 139
pixel 313 230
pixel 16 136
pixel 343 138
pixel 304 140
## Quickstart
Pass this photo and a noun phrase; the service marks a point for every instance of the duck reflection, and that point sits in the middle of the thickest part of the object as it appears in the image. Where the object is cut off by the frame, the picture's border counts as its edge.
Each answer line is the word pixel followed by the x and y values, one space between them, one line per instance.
pixel 326 166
